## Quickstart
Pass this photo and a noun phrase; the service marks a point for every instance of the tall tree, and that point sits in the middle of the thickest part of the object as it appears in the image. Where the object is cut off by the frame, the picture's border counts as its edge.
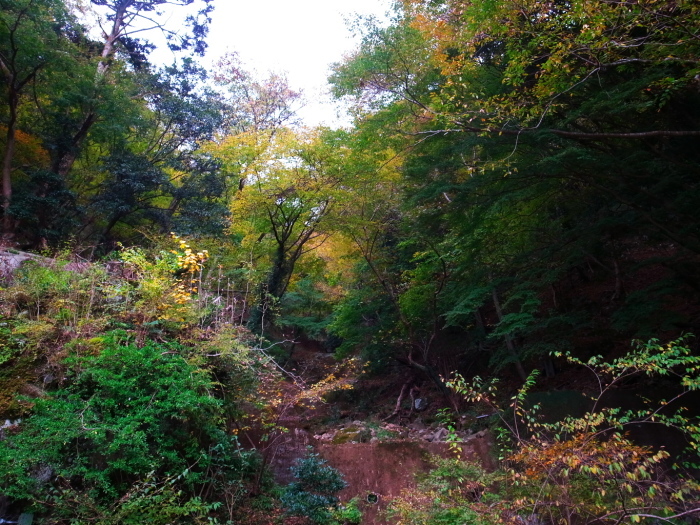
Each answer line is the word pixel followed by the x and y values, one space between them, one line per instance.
pixel 548 58
pixel 124 19
pixel 288 189
pixel 537 155
pixel 32 39
pixel 154 169
pixel 255 104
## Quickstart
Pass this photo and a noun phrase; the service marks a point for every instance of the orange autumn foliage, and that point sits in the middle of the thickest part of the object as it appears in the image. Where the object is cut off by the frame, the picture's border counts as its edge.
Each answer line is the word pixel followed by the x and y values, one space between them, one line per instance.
pixel 28 149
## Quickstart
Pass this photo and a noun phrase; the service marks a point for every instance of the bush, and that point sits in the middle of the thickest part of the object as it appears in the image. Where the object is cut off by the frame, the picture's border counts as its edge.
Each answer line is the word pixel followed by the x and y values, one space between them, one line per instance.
pixel 578 470
pixel 589 466
pixel 348 514
pixel 450 494
pixel 130 422
pixel 314 493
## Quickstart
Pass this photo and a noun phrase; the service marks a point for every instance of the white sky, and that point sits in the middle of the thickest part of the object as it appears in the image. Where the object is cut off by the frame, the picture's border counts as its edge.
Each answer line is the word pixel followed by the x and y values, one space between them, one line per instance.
pixel 299 37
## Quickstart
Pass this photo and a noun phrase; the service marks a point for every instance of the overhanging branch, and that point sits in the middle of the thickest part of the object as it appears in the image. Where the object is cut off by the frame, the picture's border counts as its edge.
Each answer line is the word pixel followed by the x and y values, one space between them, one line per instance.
pixel 567 134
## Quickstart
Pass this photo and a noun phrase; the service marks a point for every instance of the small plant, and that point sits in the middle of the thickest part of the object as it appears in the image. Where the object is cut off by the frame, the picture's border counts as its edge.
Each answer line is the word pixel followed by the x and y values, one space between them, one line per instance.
pixel 453 493
pixel 445 416
pixel 190 266
pixel 347 514
pixel 314 493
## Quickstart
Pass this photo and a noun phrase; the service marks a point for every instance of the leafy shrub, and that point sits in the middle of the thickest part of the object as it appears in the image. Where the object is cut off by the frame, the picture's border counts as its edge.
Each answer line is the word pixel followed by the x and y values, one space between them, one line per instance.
pixel 450 494
pixel 38 288
pixel 130 418
pixel 582 469
pixel 347 514
pixel 314 493
pixel 588 467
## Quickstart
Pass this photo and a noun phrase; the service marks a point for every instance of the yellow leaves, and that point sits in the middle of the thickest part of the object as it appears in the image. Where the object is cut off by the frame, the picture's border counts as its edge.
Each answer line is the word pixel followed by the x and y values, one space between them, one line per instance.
pixel 188 260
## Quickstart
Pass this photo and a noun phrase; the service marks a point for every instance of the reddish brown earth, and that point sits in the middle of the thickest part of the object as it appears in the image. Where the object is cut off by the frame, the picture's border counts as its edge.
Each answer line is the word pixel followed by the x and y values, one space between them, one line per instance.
pixel 383 468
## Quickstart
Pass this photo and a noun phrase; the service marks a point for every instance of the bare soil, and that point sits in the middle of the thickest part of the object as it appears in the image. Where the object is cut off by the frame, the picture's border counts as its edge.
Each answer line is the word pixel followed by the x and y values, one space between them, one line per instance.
pixel 375 471
pixel 381 471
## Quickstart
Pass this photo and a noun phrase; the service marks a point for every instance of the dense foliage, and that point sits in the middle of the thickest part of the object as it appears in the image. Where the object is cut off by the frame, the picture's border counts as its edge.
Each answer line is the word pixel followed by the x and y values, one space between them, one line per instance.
pixel 313 494
pixel 593 468
pixel 520 184
pixel 129 415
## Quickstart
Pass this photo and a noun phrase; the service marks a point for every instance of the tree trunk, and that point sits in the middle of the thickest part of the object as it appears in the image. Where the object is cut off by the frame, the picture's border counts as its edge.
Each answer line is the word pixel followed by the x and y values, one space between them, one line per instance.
pixel 271 291
pixel 509 340
pixel 65 160
pixel 8 157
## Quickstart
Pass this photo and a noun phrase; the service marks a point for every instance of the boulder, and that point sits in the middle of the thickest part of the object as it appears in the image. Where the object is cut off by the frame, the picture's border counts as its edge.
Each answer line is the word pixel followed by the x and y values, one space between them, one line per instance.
pixel 420 404
pixel 351 434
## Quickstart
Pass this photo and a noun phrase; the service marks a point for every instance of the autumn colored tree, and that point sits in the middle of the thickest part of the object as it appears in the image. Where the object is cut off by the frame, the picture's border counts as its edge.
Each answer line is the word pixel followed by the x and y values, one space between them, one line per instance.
pixel 591 468
pixel 255 104
pixel 517 174
pixel 287 191
pixel 547 57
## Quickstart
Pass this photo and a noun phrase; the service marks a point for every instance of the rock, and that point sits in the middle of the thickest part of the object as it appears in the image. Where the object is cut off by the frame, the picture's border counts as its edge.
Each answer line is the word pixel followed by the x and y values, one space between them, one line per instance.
pixel 439 435
pixel 328 436
pixel 420 404
pixel 42 473
pixel 10 261
pixel 351 435
pixel 347 437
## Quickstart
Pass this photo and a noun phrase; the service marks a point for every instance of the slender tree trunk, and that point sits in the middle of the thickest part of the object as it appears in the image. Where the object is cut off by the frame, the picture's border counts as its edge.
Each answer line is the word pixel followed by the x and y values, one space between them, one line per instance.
pixel 8 157
pixel 112 223
pixel 509 340
pixel 272 290
pixel 64 162
pixel 111 38
pixel 8 154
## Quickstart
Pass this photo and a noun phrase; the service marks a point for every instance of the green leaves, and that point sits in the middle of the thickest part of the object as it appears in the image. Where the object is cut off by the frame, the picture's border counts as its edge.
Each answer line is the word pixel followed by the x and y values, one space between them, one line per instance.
pixel 126 412
pixel 589 466
pixel 314 493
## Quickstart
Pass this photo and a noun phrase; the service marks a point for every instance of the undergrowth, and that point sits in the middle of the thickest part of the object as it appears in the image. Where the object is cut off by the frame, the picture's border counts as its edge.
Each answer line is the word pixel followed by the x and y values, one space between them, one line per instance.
pixel 586 469
pixel 128 383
